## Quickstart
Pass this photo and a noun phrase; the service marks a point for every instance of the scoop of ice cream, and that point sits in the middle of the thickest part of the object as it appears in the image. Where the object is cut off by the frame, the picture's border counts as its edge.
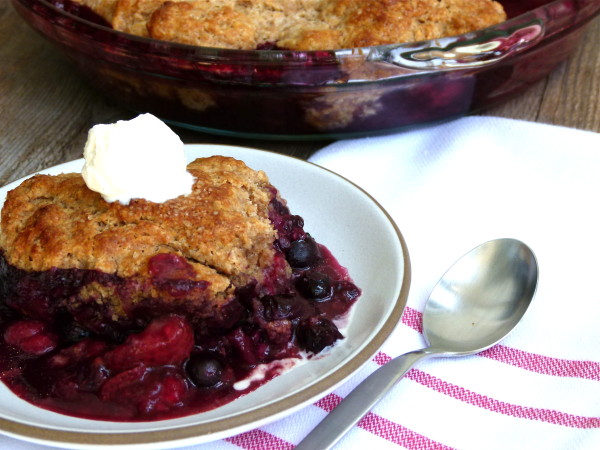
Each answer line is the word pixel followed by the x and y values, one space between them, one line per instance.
pixel 139 158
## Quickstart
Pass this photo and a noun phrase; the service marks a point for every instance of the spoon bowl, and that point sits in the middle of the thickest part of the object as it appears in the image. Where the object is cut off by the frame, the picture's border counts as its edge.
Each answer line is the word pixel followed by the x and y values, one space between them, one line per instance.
pixel 476 304
pixel 481 298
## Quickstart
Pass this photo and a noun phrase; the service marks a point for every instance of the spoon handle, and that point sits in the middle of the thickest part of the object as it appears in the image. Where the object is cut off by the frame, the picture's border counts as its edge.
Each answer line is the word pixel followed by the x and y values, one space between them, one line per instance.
pixel 360 401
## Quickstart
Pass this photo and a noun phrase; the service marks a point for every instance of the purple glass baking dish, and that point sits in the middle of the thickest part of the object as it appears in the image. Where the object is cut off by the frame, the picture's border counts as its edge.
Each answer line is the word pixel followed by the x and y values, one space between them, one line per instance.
pixel 317 94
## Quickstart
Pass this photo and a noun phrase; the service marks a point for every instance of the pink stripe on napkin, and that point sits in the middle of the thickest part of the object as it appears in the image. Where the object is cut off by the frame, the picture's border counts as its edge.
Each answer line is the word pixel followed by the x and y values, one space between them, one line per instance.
pixel 483 401
pixel 544 364
pixel 259 440
pixel 384 428
pixel 519 358
pixel 498 406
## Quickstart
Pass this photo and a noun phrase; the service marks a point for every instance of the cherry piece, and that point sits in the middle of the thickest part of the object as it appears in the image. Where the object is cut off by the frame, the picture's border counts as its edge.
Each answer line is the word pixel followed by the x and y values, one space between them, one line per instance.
pixel 244 347
pixel 85 350
pixel 30 336
pixel 174 274
pixel 38 344
pixel 24 329
pixel 147 391
pixel 168 266
pixel 166 340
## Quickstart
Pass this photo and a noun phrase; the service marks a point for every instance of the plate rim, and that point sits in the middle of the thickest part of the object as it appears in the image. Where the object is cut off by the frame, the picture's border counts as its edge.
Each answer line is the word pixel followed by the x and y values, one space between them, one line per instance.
pixel 232 425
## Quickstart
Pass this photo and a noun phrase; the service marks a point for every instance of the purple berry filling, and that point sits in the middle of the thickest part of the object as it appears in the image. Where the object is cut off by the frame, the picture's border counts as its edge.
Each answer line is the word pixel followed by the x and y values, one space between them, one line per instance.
pixel 58 352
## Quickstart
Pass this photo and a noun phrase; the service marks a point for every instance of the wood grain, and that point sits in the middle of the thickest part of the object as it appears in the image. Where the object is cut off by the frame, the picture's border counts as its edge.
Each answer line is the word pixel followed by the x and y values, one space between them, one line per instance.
pixel 570 96
pixel 46 109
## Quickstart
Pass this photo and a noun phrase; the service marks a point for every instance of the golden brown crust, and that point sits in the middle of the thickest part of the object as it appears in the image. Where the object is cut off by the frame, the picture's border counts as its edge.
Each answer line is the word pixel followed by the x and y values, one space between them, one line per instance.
pixel 299 24
pixel 221 228
pixel 132 16
pixel 389 21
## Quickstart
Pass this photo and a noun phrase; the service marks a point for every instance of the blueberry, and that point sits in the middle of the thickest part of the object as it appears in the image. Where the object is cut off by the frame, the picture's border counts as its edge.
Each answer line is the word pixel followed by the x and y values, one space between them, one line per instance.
pixel 317 333
pixel 74 332
pixel 113 334
pixel 279 207
pixel 7 314
pixel 303 253
pixel 204 370
pixel 92 376
pixel 315 285
pixel 280 307
pixel 292 222
pixel 69 328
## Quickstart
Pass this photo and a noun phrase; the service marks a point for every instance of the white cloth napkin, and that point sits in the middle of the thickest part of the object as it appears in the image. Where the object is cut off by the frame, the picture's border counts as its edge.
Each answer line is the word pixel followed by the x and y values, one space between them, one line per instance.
pixel 449 188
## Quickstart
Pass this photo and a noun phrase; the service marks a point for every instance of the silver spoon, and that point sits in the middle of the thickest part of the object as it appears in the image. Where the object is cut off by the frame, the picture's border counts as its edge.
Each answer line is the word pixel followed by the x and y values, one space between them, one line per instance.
pixel 477 302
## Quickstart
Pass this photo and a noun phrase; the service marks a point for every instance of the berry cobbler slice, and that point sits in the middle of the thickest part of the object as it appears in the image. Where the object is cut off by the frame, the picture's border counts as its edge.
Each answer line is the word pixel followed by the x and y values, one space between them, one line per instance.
pixel 149 311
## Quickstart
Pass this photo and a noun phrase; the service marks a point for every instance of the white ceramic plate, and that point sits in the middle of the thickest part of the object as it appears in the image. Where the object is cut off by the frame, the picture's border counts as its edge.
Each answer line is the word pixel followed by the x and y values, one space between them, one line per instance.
pixel 339 215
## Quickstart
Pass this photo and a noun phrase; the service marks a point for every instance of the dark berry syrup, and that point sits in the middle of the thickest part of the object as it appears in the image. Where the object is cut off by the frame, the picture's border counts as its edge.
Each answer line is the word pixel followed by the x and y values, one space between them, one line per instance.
pixel 164 364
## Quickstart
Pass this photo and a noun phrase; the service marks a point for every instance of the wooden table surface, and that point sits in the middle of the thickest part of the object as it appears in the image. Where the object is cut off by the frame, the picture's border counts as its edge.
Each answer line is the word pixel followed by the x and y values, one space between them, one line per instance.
pixel 46 109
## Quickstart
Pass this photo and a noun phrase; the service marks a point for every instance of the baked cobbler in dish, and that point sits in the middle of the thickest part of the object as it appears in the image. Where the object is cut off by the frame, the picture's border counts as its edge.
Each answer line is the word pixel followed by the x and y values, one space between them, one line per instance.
pixel 152 310
pixel 296 24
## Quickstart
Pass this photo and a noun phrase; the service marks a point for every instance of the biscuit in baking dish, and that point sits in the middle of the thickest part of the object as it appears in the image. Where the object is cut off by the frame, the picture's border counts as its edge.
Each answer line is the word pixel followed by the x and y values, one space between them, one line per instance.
pixel 297 24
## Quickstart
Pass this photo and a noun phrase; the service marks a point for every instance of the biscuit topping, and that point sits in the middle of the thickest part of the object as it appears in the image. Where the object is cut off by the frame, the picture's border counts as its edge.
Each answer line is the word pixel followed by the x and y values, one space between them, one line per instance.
pixel 296 24
pixel 152 311
pixel 140 158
